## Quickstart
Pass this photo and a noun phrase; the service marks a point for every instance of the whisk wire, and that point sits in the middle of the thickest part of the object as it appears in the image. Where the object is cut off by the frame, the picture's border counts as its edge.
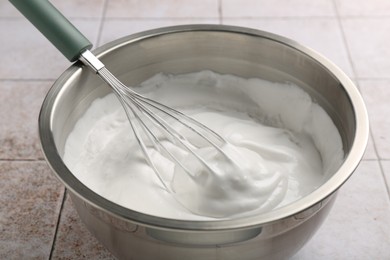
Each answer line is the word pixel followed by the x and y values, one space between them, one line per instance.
pixel 141 143
pixel 163 124
pixel 173 113
pixel 139 107
pixel 124 94
pixel 154 118
pixel 157 143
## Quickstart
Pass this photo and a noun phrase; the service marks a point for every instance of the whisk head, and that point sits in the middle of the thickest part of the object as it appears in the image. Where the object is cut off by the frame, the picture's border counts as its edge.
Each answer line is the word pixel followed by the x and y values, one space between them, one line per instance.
pixel 157 126
pixel 214 178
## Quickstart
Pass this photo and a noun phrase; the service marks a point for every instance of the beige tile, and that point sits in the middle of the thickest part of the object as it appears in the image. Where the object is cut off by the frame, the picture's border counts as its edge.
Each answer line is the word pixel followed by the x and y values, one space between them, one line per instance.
pixel 321 34
pixel 30 199
pixel 72 9
pixel 363 7
pixel 281 8
pixel 74 240
pixel 358 225
pixel 20 103
pixel 162 9
pixel 368 41
pixel 80 8
pixel 376 94
pixel 114 28
pixel 7 10
pixel 26 54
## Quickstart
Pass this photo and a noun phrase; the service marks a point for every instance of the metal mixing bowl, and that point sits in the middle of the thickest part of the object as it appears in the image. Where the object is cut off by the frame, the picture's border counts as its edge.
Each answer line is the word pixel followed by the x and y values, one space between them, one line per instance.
pixel 224 49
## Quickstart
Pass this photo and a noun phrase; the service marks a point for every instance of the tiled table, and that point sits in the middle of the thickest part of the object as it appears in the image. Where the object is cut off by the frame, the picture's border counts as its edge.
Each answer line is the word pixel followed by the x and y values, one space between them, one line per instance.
pixel 37 220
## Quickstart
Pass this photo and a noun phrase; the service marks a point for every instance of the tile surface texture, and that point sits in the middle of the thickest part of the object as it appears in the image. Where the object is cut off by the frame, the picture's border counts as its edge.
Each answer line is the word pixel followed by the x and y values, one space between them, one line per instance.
pixel 376 94
pixel 321 34
pixel 26 54
pixel 368 40
pixel 363 8
pixel 37 218
pixel 20 102
pixel 73 240
pixel 357 227
pixel 117 28
pixel 30 199
pixel 282 8
pixel 162 9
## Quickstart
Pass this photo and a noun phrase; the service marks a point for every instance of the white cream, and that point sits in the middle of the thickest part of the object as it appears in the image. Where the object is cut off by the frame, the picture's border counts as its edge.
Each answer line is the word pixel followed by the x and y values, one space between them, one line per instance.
pixel 284 146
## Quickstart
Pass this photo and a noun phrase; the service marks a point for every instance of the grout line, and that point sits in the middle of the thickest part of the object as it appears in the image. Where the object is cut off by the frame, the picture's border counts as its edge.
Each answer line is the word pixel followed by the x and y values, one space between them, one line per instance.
pixel 373 79
pixel 279 17
pixel 374 145
pixel 370 160
pixel 21 160
pixel 387 184
pixel 344 38
pixel 220 17
pixel 379 17
pixel 380 160
pixel 22 18
pixel 158 18
pixel 27 79
pixel 102 21
pixel 220 12
pixel 57 225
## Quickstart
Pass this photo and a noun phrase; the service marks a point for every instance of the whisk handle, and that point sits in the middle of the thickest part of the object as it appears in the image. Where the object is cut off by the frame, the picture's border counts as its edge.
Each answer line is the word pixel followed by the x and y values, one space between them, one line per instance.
pixel 54 26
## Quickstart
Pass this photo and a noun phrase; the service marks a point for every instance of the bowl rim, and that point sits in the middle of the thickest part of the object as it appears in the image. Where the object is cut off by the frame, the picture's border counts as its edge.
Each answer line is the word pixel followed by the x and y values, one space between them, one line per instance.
pixel 351 162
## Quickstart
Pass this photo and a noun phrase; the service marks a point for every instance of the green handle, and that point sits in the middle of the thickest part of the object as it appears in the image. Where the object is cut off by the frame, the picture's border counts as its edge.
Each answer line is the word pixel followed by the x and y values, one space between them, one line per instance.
pixel 54 26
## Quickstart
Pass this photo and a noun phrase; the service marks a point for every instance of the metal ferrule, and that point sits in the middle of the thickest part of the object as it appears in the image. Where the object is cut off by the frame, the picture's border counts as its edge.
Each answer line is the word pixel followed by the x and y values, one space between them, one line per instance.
pixel 89 59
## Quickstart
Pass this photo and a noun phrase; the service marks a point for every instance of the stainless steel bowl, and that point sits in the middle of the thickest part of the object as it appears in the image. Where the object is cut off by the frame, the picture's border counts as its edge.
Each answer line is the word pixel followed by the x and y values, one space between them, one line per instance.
pixel 224 49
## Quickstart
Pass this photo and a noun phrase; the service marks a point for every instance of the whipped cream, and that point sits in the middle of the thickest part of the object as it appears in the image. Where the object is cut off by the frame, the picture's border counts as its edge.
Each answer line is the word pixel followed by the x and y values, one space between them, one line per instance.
pixel 282 146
